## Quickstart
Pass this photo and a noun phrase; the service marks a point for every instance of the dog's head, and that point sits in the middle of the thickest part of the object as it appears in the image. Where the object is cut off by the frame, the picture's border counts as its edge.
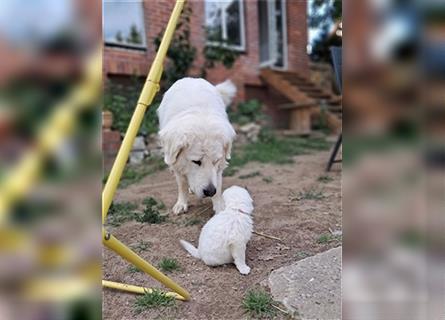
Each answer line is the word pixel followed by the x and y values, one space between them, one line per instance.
pixel 198 149
pixel 237 198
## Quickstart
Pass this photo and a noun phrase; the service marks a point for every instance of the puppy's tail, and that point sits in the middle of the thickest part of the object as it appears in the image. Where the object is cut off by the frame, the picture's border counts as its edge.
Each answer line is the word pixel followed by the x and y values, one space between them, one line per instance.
pixel 190 248
pixel 227 90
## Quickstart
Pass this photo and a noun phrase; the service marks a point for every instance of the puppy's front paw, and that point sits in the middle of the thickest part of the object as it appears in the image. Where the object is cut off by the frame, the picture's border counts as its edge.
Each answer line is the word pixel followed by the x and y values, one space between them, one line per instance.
pixel 244 270
pixel 218 205
pixel 180 207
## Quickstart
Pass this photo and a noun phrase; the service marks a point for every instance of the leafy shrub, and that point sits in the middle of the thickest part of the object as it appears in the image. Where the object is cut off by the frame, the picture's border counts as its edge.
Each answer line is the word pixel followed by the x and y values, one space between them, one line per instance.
pixel 248 111
pixel 151 213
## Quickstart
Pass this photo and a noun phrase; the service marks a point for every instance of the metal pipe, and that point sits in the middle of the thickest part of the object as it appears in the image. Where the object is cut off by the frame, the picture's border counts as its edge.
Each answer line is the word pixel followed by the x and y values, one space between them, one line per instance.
pixel 148 92
pixel 114 244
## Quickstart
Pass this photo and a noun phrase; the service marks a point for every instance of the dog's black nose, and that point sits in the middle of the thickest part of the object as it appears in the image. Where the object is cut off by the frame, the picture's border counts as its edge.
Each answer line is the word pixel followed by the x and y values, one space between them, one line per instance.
pixel 209 191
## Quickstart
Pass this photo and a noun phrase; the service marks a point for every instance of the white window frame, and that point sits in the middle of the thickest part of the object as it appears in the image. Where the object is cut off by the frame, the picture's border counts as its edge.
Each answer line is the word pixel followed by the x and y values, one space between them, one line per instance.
pixel 124 45
pixel 241 47
pixel 272 35
pixel 284 31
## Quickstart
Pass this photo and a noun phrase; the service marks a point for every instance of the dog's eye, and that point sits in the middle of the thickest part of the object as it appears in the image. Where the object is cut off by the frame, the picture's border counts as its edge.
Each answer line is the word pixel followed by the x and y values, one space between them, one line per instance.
pixel 198 162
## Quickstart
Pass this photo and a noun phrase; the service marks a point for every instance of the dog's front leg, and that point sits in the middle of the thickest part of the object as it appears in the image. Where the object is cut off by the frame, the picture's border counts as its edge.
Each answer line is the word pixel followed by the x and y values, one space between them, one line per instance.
pixel 181 204
pixel 239 258
pixel 217 200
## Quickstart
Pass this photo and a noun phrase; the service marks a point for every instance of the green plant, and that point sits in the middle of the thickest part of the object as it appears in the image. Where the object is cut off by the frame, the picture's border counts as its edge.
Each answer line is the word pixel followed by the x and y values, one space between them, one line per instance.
pixel 259 304
pixel 310 194
pixel 141 246
pixel 302 254
pixel 217 51
pixel 248 111
pixel 133 269
pixel 267 179
pixel 325 179
pixel 153 299
pixel 273 150
pixel 181 53
pixel 120 212
pixel 121 100
pixel 250 175
pixel 169 265
pixel 327 237
pixel 151 213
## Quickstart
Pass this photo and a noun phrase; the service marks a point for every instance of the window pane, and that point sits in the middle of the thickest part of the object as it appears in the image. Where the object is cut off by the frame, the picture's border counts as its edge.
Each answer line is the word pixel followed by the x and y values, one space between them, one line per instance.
pixel 213 21
pixel 233 23
pixel 280 36
pixel 264 31
pixel 124 23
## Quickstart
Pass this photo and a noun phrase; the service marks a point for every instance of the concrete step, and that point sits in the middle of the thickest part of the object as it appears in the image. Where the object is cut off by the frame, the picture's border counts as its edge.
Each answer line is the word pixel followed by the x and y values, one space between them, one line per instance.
pixel 310 288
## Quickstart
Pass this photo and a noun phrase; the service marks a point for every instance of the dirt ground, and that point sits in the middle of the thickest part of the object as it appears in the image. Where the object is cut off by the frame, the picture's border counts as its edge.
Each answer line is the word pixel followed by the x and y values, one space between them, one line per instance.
pixel 216 293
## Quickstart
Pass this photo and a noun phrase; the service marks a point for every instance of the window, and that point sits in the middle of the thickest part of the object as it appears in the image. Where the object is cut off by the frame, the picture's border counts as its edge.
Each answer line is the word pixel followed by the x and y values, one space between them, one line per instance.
pixel 272 33
pixel 124 24
pixel 225 23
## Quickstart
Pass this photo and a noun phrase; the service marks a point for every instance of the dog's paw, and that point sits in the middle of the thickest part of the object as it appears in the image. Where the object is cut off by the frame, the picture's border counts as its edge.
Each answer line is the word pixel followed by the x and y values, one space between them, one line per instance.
pixel 244 270
pixel 218 205
pixel 180 207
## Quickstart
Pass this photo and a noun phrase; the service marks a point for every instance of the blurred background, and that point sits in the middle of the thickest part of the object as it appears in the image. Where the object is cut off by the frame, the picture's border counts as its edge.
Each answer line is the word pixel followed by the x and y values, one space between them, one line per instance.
pixel 394 159
pixel 279 58
pixel 50 159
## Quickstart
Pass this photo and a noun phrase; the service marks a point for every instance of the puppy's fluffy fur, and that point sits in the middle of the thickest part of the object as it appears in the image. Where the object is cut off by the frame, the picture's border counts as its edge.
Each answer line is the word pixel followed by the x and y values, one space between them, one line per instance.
pixel 224 237
pixel 196 137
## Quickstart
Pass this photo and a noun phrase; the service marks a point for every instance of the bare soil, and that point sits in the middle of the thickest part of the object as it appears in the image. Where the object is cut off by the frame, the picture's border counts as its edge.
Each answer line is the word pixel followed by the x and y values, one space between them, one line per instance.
pixel 281 210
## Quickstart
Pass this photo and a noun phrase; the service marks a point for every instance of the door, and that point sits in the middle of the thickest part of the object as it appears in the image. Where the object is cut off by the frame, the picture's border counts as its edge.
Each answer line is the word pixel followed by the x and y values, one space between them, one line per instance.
pixel 272 33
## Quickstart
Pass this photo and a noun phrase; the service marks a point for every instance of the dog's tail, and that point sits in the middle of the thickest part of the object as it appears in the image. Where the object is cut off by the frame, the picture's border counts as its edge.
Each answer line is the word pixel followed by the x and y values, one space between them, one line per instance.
pixel 190 248
pixel 227 90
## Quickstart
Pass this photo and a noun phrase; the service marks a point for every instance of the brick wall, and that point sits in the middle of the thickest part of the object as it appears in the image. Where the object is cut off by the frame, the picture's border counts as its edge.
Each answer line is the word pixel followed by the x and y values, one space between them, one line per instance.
pixel 244 73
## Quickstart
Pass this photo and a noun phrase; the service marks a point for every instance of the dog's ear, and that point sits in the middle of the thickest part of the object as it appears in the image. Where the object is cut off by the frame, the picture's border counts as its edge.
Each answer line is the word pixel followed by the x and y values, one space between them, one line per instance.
pixel 173 145
pixel 228 150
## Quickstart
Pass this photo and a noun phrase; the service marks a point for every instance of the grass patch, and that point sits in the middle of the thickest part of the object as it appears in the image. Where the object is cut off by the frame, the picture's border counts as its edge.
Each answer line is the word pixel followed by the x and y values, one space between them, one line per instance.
pixel 250 175
pixel 152 212
pixel 154 299
pixel 327 237
pixel 192 222
pixel 121 212
pixel 169 265
pixel 267 179
pixel 141 246
pixel 133 174
pixel 309 194
pixel 325 179
pixel 302 254
pixel 133 269
pixel 258 304
pixel 272 149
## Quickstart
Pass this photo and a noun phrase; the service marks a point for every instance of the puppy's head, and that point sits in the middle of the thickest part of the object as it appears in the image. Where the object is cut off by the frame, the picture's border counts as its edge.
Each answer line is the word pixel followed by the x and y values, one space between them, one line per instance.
pixel 238 198
pixel 197 150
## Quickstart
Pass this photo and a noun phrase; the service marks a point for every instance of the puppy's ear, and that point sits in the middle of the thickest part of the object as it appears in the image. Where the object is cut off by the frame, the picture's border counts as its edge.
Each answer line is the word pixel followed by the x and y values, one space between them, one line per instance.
pixel 173 144
pixel 228 150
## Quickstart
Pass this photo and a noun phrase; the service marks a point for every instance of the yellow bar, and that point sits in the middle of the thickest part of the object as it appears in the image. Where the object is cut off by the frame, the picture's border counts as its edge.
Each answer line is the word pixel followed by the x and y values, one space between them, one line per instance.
pixel 145 99
pixel 58 126
pixel 135 289
pixel 126 253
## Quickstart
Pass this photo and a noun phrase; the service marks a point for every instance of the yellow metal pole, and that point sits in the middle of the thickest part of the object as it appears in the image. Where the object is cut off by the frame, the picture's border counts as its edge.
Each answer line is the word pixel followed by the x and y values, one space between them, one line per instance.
pixel 59 125
pixel 145 99
pixel 135 289
pixel 126 253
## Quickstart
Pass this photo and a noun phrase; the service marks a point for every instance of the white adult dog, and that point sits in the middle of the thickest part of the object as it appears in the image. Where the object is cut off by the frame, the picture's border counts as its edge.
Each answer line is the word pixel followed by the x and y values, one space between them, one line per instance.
pixel 196 137
pixel 224 237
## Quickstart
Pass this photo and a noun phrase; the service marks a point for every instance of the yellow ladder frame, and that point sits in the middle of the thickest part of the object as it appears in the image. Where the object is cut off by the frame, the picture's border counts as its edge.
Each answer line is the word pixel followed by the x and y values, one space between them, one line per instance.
pixel 149 91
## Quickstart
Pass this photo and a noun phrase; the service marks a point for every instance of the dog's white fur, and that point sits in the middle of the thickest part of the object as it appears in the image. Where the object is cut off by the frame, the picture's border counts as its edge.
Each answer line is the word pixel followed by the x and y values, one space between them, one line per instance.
pixel 194 127
pixel 224 237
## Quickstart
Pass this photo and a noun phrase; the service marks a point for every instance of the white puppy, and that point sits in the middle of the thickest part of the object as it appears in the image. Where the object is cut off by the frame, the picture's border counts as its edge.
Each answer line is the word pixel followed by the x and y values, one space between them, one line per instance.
pixel 196 137
pixel 224 237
